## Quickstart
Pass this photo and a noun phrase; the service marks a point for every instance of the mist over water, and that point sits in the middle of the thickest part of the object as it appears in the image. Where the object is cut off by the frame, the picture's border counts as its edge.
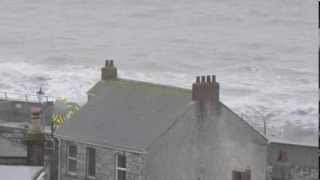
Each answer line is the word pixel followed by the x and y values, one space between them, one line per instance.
pixel 264 53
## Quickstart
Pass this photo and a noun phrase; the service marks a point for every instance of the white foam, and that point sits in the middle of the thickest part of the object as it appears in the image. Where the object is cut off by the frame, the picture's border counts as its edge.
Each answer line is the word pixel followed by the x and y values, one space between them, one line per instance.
pixel 264 58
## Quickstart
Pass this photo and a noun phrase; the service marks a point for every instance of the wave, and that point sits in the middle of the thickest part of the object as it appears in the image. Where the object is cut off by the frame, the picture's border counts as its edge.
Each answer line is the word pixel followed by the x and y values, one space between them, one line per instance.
pixel 254 102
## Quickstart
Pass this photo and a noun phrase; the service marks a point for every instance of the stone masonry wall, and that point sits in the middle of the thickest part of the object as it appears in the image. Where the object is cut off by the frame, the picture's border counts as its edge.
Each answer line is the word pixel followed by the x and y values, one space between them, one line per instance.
pixel 105 163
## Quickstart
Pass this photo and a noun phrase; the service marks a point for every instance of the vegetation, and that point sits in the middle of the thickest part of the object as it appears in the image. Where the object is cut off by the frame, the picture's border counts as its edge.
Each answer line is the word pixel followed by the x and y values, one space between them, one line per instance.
pixel 64 110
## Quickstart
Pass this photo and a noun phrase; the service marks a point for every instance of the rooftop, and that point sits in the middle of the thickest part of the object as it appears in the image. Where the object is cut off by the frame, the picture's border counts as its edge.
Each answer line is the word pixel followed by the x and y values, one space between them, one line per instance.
pixel 126 113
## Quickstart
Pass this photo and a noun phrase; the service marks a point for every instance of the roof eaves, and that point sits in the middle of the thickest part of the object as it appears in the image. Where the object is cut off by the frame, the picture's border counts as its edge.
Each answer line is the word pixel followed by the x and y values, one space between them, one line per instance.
pixel 291 143
pixel 105 145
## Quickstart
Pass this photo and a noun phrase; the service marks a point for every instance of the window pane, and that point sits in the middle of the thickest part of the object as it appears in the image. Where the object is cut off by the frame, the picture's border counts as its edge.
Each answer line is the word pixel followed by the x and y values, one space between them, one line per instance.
pixel 91 162
pixel 245 176
pixel 72 151
pixel 72 165
pixel 121 161
pixel 121 175
pixel 236 175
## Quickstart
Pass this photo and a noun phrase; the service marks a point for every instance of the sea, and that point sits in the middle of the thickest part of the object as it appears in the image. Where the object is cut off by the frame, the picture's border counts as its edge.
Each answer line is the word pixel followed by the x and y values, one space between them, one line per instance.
pixel 263 53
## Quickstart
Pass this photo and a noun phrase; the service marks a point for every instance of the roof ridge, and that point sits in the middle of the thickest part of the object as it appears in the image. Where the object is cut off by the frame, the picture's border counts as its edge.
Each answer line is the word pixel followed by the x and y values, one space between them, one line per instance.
pixel 141 82
pixel 155 84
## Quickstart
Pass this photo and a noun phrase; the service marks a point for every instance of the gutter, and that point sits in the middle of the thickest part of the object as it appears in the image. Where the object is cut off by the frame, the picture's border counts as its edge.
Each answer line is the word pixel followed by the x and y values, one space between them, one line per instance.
pixel 59 158
pixel 288 143
pixel 109 146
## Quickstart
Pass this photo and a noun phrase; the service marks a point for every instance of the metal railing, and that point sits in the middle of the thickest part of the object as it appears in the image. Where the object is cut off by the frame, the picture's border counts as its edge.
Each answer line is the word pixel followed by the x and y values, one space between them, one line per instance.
pixel 11 96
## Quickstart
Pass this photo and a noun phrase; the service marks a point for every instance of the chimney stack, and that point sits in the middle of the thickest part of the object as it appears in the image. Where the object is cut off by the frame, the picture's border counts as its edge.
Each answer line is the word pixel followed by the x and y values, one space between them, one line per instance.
pixel 282 156
pixel 109 71
pixel 35 119
pixel 207 90
pixel 35 139
pixel 281 168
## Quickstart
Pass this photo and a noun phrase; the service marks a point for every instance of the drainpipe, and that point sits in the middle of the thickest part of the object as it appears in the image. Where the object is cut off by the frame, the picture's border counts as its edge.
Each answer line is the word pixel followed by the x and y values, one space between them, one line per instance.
pixel 59 158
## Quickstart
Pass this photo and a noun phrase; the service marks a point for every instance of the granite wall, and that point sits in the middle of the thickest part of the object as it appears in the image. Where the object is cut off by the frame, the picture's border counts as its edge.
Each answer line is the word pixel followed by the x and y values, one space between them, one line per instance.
pixel 105 162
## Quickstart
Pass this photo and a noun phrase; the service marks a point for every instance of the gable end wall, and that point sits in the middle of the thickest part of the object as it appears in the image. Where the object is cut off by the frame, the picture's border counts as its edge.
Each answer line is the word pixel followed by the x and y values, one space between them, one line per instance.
pixel 204 147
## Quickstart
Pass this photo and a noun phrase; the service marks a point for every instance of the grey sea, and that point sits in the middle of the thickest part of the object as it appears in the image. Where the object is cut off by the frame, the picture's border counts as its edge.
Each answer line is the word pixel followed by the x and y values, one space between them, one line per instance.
pixel 264 53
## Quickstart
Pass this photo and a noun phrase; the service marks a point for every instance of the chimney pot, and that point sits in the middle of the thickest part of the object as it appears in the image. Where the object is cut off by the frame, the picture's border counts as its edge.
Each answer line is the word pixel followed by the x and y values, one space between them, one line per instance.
pixel 198 79
pixel 111 63
pixel 107 63
pixel 203 79
pixel 208 79
pixel 109 71
pixel 213 78
pixel 207 90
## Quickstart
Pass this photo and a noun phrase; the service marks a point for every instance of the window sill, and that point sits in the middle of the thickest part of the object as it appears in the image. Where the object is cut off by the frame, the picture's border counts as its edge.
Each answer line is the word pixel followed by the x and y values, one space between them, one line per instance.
pixel 91 177
pixel 72 174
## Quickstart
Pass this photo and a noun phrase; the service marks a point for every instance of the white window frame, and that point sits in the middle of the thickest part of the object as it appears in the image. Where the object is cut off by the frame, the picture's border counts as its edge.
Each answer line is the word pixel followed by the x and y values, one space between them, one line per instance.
pixel 72 159
pixel 120 168
pixel 87 163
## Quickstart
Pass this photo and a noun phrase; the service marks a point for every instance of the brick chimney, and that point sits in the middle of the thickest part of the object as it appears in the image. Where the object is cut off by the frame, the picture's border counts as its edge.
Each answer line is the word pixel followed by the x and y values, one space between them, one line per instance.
pixel 205 90
pixel 281 168
pixel 35 139
pixel 109 71
pixel 282 156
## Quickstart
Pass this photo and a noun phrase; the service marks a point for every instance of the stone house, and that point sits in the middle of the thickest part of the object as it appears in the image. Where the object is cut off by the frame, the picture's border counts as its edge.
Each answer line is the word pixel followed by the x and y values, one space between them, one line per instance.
pixel 24 160
pixel 132 130
pixel 14 109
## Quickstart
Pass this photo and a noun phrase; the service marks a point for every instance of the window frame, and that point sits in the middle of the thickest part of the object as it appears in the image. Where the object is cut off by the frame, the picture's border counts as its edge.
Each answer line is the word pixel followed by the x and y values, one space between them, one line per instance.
pixel 88 162
pixel 117 168
pixel 72 158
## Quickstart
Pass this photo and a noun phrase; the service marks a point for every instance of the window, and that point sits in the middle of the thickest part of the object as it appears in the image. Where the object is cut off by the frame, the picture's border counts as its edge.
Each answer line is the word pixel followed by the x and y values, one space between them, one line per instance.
pixel 72 159
pixel 121 167
pixel 241 175
pixel 91 162
pixel 236 175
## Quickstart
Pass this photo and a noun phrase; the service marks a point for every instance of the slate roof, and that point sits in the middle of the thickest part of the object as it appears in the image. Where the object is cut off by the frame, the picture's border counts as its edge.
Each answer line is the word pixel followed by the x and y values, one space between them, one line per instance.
pixel 126 113
pixel 10 149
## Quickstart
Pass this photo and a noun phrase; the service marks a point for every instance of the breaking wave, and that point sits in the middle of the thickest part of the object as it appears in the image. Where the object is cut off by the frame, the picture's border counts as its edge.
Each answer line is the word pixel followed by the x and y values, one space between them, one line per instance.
pixel 264 58
pixel 286 115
